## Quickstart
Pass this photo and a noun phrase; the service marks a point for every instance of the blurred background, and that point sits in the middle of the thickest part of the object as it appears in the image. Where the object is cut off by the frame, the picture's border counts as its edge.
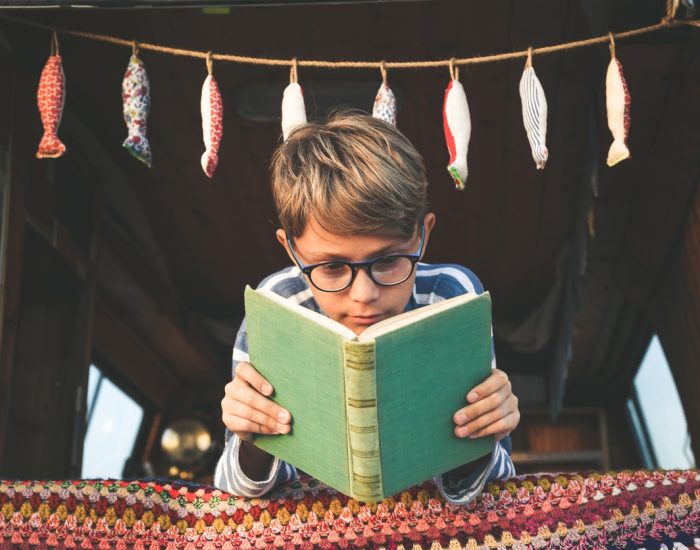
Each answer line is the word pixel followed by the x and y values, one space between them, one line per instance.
pixel 122 286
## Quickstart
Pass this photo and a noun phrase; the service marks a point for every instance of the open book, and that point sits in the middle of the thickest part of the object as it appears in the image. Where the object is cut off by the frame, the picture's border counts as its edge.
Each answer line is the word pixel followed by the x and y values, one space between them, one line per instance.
pixel 371 415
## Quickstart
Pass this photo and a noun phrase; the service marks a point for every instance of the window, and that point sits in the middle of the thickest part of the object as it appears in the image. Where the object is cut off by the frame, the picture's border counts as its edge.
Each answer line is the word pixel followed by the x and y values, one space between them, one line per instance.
pixel 113 423
pixel 657 416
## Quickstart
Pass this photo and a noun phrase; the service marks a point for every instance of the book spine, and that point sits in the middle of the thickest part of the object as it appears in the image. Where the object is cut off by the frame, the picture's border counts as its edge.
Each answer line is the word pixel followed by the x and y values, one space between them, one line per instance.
pixel 363 436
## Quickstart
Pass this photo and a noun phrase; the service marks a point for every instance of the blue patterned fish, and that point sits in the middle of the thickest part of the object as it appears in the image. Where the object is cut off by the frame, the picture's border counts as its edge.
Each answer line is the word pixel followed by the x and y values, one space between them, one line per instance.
pixel 136 101
pixel 385 105
pixel 534 104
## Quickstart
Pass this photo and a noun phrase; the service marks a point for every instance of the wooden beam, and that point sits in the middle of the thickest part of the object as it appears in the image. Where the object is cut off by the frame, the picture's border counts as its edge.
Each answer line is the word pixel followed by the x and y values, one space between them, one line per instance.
pixel 84 336
pixel 121 347
pixel 12 243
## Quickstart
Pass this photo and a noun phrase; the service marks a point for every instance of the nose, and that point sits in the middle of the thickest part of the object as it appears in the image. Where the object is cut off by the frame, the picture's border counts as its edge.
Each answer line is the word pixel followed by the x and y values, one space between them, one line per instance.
pixel 363 289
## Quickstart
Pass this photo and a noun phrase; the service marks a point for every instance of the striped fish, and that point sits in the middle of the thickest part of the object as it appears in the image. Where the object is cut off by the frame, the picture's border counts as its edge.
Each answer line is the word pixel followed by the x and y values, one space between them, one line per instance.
pixel 534 105
pixel 458 128
pixel 212 124
pixel 385 105
pixel 293 110
pixel 136 103
pixel 51 97
pixel 617 99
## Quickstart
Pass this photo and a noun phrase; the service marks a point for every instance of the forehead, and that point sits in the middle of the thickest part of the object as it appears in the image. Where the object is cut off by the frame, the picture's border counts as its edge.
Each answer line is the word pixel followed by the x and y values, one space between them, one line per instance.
pixel 318 245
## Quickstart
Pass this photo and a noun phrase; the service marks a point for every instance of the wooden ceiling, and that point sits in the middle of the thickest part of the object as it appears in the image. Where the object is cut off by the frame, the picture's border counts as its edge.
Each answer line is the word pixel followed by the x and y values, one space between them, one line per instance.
pixel 189 244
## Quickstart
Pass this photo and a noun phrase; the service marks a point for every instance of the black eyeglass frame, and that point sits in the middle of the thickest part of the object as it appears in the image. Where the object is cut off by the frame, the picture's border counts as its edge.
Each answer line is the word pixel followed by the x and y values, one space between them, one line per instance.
pixel 367 266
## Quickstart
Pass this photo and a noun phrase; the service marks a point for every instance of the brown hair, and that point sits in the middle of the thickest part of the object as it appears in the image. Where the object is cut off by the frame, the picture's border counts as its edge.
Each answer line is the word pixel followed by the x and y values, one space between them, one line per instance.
pixel 355 174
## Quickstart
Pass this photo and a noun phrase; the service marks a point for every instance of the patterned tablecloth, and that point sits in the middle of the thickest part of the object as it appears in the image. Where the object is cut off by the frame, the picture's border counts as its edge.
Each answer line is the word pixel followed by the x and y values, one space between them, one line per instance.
pixel 628 509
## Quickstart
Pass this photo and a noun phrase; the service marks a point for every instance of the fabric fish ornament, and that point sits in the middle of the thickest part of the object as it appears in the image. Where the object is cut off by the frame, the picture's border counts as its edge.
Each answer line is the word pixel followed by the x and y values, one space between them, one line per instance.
pixel 534 104
pixel 212 122
pixel 51 97
pixel 458 128
pixel 617 99
pixel 385 103
pixel 136 103
pixel 293 110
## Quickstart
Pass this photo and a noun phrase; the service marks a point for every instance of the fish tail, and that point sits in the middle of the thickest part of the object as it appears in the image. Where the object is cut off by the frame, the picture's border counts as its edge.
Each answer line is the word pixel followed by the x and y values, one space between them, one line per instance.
pixel 458 171
pixel 50 147
pixel 138 146
pixel 618 152
pixel 542 156
pixel 209 161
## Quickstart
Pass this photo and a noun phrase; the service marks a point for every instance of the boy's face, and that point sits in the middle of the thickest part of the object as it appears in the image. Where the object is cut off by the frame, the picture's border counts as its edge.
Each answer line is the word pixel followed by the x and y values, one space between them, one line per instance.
pixel 364 302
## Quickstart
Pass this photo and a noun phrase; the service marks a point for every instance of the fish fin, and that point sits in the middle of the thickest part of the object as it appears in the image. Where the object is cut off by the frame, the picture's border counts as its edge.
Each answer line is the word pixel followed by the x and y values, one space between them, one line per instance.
pixel 50 147
pixel 618 152
pixel 140 149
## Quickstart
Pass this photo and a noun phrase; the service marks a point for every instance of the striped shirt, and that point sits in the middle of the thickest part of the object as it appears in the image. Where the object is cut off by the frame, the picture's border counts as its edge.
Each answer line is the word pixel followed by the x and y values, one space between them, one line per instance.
pixel 434 283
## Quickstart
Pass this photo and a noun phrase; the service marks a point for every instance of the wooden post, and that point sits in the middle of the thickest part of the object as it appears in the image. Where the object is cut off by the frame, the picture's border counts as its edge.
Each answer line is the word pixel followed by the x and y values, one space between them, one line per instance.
pixel 12 240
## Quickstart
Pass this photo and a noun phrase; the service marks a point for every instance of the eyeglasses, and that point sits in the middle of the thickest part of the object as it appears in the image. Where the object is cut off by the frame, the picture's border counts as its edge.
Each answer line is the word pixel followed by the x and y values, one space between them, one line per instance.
pixel 335 276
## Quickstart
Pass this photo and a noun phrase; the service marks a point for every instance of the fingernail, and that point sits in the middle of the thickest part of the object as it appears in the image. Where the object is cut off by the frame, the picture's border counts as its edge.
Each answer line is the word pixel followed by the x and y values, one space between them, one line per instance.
pixel 463 432
pixel 267 389
pixel 461 419
pixel 283 428
pixel 283 416
pixel 473 396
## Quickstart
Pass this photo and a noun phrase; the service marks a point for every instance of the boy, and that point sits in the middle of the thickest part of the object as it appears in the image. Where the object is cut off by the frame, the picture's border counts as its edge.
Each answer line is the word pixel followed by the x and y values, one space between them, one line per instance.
pixel 351 195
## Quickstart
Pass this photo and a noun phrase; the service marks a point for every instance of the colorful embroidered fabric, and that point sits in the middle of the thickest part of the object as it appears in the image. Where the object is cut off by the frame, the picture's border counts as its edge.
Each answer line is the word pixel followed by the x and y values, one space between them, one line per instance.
pixel 212 124
pixel 534 104
pixel 385 105
pixel 136 103
pixel 618 102
pixel 458 128
pixel 51 97
pixel 609 510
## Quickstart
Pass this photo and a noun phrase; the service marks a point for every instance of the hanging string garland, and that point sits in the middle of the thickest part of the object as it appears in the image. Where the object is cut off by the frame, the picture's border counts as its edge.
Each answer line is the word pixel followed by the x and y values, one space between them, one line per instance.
pixel 212 120
pixel 293 109
pixel 384 107
pixel 136 103
pixel 534 105
pixel 51 97
pixel 617 99
pixel 457 125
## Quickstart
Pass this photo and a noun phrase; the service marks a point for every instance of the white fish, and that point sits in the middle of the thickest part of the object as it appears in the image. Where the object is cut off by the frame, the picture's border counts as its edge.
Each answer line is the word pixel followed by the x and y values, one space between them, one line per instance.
pixel 534 105
pixel 458 128
pixel 617 98
pixel 293 110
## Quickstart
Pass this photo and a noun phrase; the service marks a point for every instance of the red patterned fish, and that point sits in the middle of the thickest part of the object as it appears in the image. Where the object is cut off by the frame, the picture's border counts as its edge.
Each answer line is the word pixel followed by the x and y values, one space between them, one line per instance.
pixel 212 124
pixel 458 128
pixel 51 97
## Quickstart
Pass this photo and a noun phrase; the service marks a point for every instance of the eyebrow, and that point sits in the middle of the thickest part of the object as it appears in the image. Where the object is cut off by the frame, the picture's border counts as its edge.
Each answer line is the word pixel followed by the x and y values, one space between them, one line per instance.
pixel 325 257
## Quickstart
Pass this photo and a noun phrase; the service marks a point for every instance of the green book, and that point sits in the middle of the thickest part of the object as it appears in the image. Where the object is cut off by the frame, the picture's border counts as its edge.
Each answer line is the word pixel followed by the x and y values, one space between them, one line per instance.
pixel 371 414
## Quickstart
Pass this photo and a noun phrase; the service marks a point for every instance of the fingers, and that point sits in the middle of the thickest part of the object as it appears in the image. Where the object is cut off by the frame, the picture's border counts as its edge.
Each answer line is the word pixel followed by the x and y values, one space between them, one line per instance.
pixel 493 383
pixel 245 372
pixel 500 390
pixel 492 409
pixel 500 421
pixel 246 409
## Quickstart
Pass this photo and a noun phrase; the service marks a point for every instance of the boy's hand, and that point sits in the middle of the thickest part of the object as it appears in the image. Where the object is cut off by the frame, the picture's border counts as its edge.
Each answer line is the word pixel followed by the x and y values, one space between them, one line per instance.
pixel 492 409
pixel 246 409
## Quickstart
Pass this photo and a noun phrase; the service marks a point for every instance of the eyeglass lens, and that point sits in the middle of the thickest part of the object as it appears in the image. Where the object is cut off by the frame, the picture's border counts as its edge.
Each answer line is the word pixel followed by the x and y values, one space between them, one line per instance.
pixel 335 276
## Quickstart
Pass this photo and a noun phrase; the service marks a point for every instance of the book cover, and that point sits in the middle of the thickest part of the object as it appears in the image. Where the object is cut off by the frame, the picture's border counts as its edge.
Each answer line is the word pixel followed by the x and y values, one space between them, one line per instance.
pixel 372 415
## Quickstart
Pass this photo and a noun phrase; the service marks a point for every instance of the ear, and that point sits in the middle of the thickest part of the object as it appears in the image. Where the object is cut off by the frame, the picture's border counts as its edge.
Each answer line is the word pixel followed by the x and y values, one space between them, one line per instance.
pixel 282 239
pixel 428 223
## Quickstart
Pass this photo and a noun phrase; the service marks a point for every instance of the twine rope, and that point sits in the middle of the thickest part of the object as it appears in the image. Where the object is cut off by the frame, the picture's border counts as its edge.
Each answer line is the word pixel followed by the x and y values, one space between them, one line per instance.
pixel 668 21
pixel 209 63
pixel 612 45
pixel 54 44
